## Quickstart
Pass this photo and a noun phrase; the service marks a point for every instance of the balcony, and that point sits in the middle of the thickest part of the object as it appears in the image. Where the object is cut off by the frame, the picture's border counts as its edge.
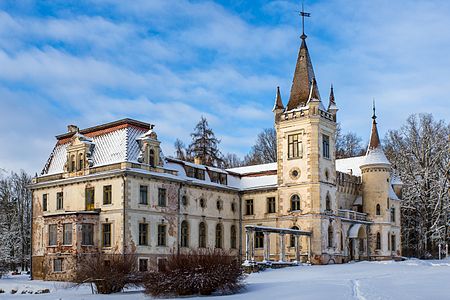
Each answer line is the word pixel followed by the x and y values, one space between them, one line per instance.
pixel 352 215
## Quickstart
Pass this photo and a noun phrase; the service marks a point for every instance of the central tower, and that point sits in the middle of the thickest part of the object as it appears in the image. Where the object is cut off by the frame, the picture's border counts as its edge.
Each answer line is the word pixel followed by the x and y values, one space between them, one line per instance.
pixel 306 159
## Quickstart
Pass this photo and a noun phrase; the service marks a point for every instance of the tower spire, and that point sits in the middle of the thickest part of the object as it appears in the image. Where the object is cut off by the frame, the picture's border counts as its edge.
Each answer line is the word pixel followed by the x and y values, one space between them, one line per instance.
pixel 374 137
pixel 303 75
pixel 278 101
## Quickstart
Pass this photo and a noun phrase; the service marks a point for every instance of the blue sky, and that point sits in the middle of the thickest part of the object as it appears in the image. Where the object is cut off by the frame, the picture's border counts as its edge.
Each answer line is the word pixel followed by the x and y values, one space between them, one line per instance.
pixel 170 62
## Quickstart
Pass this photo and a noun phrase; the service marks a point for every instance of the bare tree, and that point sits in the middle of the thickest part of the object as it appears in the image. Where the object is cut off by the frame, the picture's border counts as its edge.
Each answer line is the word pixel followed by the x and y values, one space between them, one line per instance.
pixel 349 145
pixel 420 154
pixel 231 160
pixel 265 148
pixel 180 150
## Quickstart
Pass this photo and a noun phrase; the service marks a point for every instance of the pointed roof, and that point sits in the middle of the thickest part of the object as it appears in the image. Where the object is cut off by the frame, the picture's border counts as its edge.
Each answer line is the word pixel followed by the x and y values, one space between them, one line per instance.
pixel 278 101
pixel 332 104
pixel 374 137
pixel 303 79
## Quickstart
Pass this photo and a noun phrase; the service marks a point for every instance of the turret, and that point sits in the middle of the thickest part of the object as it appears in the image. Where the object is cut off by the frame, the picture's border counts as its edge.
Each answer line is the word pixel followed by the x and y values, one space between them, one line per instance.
pixel 278 108
pixel 332 107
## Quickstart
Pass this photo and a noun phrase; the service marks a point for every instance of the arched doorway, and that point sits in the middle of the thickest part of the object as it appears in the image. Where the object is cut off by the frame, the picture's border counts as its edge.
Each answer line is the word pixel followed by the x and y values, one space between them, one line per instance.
pixel 357 242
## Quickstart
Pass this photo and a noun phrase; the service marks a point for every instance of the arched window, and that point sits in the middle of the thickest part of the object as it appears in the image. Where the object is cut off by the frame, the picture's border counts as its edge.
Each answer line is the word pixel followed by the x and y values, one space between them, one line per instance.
pixel 233 237
pixel 378 212
pixel 295 202
pixel 80 161
pixel 151 157
pixel 72 163
pixel 184 234
pixel 378 241
pixel 330 236
pixel 202 235
pixel 219 235
pixel 328 202
pixel 259 239
pixel 292 241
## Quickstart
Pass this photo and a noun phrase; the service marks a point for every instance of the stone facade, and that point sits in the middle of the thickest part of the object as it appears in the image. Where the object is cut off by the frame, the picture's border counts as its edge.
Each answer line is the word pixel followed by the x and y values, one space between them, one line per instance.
pixel 110 189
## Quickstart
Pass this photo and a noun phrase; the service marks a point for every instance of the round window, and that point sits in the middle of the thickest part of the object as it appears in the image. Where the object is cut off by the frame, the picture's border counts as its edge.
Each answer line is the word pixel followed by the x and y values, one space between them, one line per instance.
pixel 294 173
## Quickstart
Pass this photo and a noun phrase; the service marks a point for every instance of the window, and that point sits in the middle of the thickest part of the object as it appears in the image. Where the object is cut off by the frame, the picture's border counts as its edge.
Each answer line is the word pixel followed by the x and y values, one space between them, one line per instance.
pixel 249 207
pixel 143 194
pixel 294 146
pixel 327 203
pixel 72 163
pixel 202 235
pixel 330 236
pixel 378 210
pixel 52 235
pixel 90 193
pixel 184 234
pixel 271 205
pixel 378 246
pixel 393 214
pixel 393 246
pixel 233 237
pixel 342 240
pixel 292 241
pixel 218 177
pixel 259 239
pixel 233 206
pixel 151 157
pixel 80 161
pixel 67 234
pixel 326 146
pixel 107 194
pixel 161 235
pixel 143 265
pixel 59 201
pixel 295 202
pixel 106 235
pixel 87 234
pixel 161 197
pixel 219 235
pixel 195 172
pixel 58 265
pixel 202 203
pixel 219 204
pixel 44 202
pixel 162 264
pixel 184 200
pixel 143 234
pixel 389 239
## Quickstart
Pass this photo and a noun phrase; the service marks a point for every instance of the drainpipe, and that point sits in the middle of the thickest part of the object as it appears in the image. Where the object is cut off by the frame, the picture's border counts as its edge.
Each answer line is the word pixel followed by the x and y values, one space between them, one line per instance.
pixel 240 227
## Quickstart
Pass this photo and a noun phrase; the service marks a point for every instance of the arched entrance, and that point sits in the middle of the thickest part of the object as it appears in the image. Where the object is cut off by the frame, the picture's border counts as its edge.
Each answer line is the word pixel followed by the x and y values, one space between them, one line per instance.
pixel 357 235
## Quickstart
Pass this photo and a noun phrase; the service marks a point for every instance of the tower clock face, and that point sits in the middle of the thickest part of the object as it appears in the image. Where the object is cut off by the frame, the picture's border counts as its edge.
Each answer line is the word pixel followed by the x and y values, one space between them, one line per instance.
pixel 294 173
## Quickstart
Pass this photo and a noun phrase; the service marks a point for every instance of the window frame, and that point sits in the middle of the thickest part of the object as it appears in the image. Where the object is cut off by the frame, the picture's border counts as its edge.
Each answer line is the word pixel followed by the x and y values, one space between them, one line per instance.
pixel 233 237
pixel 202 235
pixel 45 202
pixel 107 194
pixel 141 264
pixel 106 235
pixel 60 201
pixel 162 235
pixel 67 236
pixel 295 203
pixel 249 207
pixel 87 235
pixel 162 197
pixel 89 203
pixel 294 146
pixel 326 146
pixel 143 234
pixel 184 234
pixel 143 195
pixel 271 205
pixel 219 236
pixel 60 264
pixel 259 240
pixel 52 235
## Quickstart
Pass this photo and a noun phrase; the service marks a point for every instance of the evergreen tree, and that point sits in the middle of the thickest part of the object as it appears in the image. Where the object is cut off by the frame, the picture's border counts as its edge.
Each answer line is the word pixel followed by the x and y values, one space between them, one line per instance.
pixel 204 145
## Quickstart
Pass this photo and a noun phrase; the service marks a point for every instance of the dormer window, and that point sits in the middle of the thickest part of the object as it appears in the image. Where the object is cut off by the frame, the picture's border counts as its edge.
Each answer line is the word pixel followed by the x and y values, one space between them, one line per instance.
pixel 151 157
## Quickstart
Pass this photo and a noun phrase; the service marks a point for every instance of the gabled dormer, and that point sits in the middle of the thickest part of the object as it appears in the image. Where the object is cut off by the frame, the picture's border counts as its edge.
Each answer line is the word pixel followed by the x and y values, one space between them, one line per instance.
pixel 79 154
pixel 150 150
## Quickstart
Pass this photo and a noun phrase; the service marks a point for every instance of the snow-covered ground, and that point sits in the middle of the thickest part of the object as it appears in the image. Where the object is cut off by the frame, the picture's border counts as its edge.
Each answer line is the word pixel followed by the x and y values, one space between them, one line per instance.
pixel 411 279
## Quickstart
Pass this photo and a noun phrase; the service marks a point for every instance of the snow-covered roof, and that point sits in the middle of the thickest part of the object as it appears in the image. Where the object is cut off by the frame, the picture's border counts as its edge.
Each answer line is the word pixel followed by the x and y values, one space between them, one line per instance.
pixel 258 182
pixel 350 165
pixel 396 180
pixel 111 147
pixel 254 169
pixel 392 194
pixel 375 157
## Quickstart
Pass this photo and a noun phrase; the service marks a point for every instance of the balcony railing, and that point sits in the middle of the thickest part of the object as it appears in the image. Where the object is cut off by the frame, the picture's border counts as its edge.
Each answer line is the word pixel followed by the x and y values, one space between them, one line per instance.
pixel 352 215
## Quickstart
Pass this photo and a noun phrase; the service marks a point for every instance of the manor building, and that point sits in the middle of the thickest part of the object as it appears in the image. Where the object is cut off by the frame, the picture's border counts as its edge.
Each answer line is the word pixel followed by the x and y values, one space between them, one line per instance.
pixel 109 188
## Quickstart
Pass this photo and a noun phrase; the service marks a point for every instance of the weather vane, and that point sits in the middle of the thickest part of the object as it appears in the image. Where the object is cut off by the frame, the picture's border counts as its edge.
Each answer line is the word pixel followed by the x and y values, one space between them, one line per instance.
pixel 304 14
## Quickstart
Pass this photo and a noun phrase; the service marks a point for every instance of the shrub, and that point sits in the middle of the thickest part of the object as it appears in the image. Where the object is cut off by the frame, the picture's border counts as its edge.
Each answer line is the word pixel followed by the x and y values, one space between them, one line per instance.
pixel 198 272
pixel 109 273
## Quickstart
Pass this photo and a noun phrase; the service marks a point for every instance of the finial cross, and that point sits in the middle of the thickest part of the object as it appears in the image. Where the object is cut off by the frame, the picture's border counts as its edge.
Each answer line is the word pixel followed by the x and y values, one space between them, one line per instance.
pixel 304 14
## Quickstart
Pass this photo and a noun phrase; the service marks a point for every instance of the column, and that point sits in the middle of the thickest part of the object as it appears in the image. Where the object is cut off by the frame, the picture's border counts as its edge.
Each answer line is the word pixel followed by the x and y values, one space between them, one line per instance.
pixel 297 250
pixel 252 246
pixel 247 245
pixel 266 246
pixel 309 249
pixel 282 250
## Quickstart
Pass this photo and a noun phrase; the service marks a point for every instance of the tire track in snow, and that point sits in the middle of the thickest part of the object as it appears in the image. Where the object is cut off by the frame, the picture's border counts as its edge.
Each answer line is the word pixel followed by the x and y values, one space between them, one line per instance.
pixel 356 291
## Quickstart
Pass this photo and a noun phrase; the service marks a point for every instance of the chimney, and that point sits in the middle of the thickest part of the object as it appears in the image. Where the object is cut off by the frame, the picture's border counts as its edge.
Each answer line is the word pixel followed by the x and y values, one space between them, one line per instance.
pixel 198 160
pixel 72 128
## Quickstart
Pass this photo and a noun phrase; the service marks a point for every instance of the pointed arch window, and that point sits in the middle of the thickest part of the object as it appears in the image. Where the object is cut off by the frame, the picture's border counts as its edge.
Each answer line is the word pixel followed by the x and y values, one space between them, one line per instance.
pixel 202 235
pixel 295 202
pixel 219 235
pixel 184 234
pixel 378 210
pixel 151 157
pixel 378 247
pixel 330 236
pixel 292 240
pixel 233 237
